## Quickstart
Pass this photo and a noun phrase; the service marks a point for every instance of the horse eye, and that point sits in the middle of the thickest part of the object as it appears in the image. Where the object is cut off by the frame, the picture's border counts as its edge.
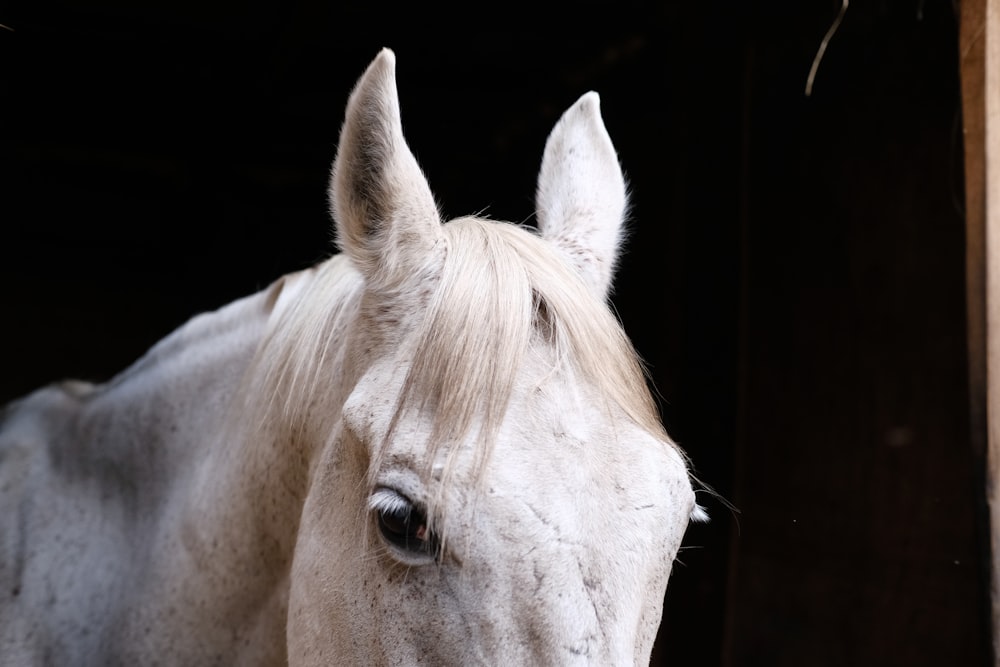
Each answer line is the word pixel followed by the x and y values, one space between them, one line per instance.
pixel 402 523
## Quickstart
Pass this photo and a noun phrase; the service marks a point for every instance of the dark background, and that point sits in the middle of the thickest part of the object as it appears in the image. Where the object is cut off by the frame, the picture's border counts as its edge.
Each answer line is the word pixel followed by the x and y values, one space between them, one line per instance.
pixel 795 274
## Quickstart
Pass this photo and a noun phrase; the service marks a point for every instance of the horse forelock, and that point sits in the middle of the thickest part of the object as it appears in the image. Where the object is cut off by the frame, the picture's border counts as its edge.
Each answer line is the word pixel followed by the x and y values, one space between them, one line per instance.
pixel 501 294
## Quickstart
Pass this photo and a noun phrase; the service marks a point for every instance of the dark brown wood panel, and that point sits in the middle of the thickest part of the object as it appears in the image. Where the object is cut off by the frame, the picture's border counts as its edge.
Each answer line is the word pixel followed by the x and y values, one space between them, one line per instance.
pixel 860 540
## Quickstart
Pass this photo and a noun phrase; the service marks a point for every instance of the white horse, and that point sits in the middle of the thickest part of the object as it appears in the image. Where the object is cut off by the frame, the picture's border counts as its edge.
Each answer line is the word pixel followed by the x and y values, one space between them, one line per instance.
pixel 437 447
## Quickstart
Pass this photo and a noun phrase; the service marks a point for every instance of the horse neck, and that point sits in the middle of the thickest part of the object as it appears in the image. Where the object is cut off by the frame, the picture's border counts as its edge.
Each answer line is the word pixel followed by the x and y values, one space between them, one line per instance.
pixel 166 424
pixel 155 419
pixel 241 509
pixel 208 510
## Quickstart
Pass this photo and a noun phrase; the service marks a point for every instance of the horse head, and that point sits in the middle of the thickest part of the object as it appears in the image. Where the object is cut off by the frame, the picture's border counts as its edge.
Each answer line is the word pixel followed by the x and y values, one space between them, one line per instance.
pixel 497 487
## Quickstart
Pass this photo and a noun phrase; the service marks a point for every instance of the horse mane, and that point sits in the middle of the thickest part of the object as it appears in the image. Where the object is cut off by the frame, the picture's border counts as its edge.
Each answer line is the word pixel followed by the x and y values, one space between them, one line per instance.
pixel 502 291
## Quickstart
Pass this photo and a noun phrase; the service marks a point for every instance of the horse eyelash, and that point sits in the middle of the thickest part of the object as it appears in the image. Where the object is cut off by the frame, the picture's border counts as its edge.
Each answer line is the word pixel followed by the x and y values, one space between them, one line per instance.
pixel 389 502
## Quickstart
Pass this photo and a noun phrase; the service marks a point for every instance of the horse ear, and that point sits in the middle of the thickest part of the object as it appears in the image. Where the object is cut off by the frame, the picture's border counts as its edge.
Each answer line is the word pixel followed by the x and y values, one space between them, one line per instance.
pixel 581 200
pixel 384 212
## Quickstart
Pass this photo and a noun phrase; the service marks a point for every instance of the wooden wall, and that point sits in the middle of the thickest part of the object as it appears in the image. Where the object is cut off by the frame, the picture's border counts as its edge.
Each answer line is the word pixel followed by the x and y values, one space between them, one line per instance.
pixel 979 47
pixel 860 530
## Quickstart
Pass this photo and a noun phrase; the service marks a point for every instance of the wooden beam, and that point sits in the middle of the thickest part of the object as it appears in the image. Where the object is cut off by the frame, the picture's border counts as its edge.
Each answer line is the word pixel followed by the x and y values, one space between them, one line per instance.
pixel 979 43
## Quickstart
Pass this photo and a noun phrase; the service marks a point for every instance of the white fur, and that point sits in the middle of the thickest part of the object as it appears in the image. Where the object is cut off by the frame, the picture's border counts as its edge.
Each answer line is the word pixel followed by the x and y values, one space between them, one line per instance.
pixel 217 503
pixel 581 198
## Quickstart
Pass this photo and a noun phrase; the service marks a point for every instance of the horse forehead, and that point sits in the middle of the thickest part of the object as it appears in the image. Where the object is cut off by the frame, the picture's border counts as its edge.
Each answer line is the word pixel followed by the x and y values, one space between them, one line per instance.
pixel 616 467
pixel 555 449
pixel 554 435
pixel 578 465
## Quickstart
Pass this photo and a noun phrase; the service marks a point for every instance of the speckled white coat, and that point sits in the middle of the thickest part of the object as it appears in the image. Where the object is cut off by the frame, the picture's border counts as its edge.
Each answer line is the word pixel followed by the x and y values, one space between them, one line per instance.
pixel 212 505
